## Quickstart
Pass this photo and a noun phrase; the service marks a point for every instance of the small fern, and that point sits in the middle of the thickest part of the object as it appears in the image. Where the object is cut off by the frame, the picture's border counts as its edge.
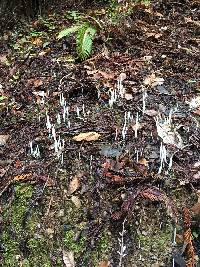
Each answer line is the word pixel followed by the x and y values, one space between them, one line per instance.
pixel 85 34
pixel 84 40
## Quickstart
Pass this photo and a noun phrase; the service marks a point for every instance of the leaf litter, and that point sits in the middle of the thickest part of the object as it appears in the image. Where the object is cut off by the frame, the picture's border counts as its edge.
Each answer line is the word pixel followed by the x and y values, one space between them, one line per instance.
pixel 133 159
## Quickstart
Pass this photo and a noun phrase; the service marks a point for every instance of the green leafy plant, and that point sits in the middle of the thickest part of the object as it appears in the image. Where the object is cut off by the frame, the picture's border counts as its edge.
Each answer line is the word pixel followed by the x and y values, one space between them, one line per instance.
pixel 85 33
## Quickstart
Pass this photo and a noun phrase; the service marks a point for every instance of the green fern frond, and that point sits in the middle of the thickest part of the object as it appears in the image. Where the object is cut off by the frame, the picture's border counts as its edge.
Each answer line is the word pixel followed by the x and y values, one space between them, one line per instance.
pixel 84 40
pixel 68 31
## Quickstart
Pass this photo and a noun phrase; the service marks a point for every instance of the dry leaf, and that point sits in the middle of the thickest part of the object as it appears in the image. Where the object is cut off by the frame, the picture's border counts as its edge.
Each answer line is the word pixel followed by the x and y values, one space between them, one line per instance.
pixel 122 76
pixel 4 139
pixel 23 177
pixel 37 83
pixel 18 164
pixel 197 111
pixel 73 185
pixel 153 81
pixel 76 201
pixel 151 112
pixel 107 75
pixel 37 41
pixel 2 172
pixel 128 96
pixel 44 52
pixel 138 126
pixel 155 35
pixel 89 136
pixel 143 161
pixel 3 58
pixel 196 208
pixel 68 258
pixel 104 264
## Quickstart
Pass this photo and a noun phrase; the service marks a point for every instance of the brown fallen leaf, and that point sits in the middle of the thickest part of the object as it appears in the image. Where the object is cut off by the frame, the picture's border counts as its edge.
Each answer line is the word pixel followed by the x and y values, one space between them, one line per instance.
pixel 151 112
pixel 4 139
pixel 36 41
pixel 104 264
pixel 89 136
pixel 197 111
pixel 76 201
pixel 153 81
pixel 44 52
pixel 18 164
pixel 196 208
pixel 68 258
pixel 23 177
pixel 37 83
pixel 143 161
pixel 2 172
pixel 73 185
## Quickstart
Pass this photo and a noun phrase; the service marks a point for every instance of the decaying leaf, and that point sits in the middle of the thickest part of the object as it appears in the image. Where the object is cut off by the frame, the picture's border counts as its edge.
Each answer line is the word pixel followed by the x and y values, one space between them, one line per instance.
pixel 194 103
pixel 128 96
pixel 104 264
pixel 168 134
pixel 153 81
pixel 68 258
pixel 151 112
pixel 89 136
pixel 143 161
pixel 76 201
pixel 4 139
pixel 73 185
pixel 138 126
pixel 37 83
pixel 22 177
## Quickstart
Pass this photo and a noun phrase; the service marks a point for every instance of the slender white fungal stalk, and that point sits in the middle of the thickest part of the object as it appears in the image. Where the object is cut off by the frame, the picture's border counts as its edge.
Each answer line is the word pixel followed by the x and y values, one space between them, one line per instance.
pixel 127 119
pixel 58 119
pixel 170 162
pixel 137 155
pixel 122 247
pixel 120 88
pixel 83 110
pixel 124 129
pixel 53 132
pixel 62 100
pixel 78 112
pixel 116 133
pixel 174 237
pixel 64 113
pixel 113 97
pixel 136 125
pixel 35 152
pixel 144 96
pixel 163 157
pixel 48 123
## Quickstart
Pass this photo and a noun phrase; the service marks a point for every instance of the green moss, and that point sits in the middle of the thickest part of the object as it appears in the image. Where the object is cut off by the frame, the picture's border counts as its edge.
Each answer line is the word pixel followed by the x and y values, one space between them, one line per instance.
pixel 71 244
pixel 39 252
pixel 157 240
pixel 103 246
pixel 15 213
pixel 11 250
pixel 15 234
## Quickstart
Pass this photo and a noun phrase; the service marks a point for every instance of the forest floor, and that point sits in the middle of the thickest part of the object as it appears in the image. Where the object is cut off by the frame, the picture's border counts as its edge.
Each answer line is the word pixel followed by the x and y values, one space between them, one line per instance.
pixel 100 159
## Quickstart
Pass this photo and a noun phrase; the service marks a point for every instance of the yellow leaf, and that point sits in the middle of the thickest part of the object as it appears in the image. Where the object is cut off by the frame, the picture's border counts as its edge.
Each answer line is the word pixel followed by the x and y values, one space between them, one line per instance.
pixel 89 136
pixel 37 41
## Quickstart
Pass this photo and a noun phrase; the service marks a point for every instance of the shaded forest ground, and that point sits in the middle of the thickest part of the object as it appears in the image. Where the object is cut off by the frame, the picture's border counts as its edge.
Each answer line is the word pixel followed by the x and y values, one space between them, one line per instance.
pixel 140 164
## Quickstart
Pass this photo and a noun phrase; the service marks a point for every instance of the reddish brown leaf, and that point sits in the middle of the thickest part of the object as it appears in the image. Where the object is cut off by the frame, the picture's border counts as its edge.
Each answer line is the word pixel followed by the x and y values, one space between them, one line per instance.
pixel 18 164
